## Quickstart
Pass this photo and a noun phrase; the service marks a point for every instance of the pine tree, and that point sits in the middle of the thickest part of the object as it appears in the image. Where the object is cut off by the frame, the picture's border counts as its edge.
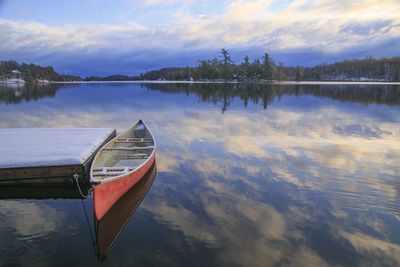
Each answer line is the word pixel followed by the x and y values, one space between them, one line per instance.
pixel 187 73
pixel 245 67
pixel 256 69
pixel 298 74
pixel 226 60
pixel 280 72
pixel 268 68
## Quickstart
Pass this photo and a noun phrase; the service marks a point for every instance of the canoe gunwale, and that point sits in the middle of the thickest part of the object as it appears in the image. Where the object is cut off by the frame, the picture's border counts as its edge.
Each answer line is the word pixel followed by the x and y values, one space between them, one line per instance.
pixel 95 181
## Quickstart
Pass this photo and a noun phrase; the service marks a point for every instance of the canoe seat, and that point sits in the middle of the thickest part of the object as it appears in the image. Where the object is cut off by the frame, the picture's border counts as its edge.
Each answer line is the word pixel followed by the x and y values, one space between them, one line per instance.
pixel 108 174
pixel 129 148
pixel 135 139
pixel 135 156
pixel 111 171
pixel 132 142
pixel 112 168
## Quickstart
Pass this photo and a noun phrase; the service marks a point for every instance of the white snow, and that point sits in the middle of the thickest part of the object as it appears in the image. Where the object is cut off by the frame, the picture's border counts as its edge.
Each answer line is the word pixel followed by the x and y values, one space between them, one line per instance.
pixel 13 81
pixel 33 147
pixel 339 83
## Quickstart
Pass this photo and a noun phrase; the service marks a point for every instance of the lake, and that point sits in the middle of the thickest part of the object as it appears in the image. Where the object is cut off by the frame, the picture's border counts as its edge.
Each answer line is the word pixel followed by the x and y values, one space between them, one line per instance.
pixel 247 175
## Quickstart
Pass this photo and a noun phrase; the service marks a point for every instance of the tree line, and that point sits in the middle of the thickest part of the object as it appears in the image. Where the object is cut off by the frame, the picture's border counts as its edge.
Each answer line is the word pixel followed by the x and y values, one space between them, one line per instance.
pixel 223 68
pixel 32 73
pixel 219 68
pixel 264 68
pixel 368 69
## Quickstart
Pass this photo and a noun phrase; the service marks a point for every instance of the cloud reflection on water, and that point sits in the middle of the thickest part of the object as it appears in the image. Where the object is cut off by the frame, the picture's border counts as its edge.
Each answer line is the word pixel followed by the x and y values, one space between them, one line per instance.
pixel 289 185
pixel 349 174
pixel 36 221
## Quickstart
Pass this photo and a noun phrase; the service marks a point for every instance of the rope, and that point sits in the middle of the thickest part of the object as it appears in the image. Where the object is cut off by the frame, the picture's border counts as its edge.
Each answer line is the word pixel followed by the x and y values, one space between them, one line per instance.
pixel 90 229
pixel 76 177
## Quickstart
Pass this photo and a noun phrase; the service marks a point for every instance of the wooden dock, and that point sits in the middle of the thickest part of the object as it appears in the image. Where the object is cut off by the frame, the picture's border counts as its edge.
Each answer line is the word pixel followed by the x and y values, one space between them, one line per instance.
pixel 48 157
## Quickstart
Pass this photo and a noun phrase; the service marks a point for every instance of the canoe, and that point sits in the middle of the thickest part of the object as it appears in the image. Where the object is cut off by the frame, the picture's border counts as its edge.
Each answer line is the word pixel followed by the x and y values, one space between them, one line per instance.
pixel 119 165
pixel 109 228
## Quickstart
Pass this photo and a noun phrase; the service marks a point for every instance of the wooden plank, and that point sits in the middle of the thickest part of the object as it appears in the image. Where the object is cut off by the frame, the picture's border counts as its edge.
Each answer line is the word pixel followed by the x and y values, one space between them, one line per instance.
pixel 129 148
pixel 134 157
pixel 132 142
pixel 135 139
pixel 39 172
pixel 108 174
pixel 106 169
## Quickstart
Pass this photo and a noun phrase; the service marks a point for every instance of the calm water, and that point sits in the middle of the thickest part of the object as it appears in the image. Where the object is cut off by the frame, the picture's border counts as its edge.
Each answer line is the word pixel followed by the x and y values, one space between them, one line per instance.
pixel 246 176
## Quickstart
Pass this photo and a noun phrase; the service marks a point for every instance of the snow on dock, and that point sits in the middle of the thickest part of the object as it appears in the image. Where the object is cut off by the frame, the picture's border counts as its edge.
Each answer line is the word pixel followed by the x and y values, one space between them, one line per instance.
pixel 49 147
pixel 45 153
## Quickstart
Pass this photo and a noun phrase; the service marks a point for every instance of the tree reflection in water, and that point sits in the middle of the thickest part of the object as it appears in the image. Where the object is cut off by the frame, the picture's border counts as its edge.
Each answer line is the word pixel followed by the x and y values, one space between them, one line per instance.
pixel 266 94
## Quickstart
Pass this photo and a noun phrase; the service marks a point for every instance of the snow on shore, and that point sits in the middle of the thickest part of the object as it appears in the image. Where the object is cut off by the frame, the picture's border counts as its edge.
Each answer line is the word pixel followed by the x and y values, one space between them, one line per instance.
pixel 338 83
pixel 222 82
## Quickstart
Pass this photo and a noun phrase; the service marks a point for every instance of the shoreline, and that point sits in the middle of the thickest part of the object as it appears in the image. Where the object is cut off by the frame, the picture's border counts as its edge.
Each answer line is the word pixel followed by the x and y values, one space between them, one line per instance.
pixel 337 82
pixel 238 82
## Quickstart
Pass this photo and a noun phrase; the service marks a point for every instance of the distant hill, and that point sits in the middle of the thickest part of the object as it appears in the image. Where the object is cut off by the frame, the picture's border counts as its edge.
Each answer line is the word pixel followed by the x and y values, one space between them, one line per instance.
pixel 112 78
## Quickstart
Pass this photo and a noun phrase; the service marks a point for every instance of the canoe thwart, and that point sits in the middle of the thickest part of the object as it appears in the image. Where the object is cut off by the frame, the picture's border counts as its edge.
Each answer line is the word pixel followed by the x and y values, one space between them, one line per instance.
pixel 111 171
pixel 132 142
pixel 102 169
pixel 108 174
pixel 145 156
pixel 135 139
pixel 129 148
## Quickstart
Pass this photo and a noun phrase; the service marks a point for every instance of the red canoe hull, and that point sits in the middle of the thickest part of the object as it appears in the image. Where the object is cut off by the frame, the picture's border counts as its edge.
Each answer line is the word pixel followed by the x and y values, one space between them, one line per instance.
pixel 106 194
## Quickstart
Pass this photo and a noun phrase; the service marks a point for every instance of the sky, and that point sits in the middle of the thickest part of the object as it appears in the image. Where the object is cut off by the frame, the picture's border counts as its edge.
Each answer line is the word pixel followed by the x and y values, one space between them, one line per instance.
pixel 105 37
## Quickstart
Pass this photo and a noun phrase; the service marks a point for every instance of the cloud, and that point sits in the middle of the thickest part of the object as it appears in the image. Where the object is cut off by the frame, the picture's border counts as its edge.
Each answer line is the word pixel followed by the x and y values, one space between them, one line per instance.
pixel 181 37
pixel 162 2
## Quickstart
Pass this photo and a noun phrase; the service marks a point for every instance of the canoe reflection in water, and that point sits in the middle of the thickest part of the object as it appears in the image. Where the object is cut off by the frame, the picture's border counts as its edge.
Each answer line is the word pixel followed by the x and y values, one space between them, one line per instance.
pixel 109 228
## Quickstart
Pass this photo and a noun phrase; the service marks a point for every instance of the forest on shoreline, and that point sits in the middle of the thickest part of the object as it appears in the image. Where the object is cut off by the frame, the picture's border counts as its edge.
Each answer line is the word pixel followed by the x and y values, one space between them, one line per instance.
pixel 265 69
pixel 222 68
pixel 33 73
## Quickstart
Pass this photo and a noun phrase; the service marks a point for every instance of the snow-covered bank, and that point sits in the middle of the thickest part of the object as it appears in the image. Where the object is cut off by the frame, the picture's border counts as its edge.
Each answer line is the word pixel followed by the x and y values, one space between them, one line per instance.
pixel 336 82
pixel 156 81
pixel 264 82
pixel 13 81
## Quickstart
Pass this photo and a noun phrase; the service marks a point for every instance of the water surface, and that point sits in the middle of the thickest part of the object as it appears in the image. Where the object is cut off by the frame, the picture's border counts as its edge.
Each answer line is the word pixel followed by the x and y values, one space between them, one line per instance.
pixel 247 175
